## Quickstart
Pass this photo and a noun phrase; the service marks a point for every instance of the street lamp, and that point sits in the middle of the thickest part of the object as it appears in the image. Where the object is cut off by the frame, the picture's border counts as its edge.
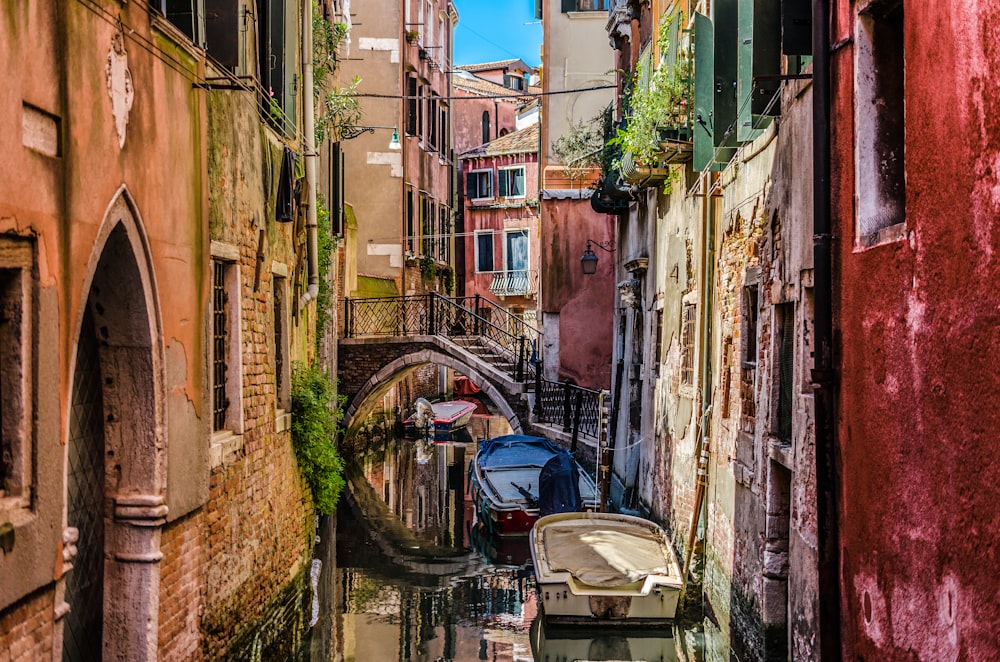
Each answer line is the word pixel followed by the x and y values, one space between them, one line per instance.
pixel 589 259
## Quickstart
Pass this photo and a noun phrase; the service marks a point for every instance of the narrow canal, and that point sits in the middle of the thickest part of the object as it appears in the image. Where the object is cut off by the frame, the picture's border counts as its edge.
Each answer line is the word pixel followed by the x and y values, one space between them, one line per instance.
pixel 405 572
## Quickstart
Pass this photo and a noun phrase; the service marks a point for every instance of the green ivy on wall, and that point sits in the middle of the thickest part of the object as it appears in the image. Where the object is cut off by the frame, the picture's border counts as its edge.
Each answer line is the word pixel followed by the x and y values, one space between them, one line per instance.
pixel 316 412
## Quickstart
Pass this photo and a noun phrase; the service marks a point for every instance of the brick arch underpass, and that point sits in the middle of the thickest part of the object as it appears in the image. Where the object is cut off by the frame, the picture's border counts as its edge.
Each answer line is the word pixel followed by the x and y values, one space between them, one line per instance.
pixel 368 367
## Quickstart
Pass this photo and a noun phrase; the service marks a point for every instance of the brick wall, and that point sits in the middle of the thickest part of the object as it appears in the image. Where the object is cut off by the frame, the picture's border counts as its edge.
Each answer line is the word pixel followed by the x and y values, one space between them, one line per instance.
pixel 26 629
pixel 181 590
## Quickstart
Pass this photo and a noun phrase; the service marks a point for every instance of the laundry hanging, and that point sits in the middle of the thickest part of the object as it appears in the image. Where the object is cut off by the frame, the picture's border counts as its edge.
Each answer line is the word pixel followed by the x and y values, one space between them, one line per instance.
pixel 284 207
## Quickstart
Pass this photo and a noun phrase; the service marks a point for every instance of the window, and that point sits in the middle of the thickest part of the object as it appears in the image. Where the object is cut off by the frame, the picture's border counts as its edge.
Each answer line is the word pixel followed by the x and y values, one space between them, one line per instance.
pixel 688 324
pixel 510 181
pixel 484 251
pixel 486 126
pixel 186 15
pixel 281 363
pixel 410 221
pixel 479 184
pixel 514 82
pixel 880 123
pixel 421 111
pixel 16 295
pixel 584 5
pixel 411 104
pixel 782 428
pixel 445 145
pixel 222 32
pixel 432 122
pixel 444 228
pixel 272 60
pixel 226 382
pixel 750 308
pixel 516 248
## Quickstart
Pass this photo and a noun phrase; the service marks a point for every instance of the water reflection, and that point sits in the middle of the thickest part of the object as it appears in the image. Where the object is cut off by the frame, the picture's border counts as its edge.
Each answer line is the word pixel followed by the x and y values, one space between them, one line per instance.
pixel 411 577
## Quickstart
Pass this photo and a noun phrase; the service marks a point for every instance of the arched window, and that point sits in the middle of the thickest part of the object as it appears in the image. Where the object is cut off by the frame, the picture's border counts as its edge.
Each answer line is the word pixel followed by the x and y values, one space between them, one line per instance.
pixel 486 126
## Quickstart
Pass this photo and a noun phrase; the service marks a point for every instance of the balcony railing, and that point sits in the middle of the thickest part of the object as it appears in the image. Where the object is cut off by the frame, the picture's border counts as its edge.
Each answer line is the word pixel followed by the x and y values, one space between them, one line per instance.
pixel 514 283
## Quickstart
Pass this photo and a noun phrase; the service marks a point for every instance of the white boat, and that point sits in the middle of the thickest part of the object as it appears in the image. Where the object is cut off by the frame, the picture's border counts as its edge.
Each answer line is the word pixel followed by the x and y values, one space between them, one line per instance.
pixel 604 568
pixel 440 418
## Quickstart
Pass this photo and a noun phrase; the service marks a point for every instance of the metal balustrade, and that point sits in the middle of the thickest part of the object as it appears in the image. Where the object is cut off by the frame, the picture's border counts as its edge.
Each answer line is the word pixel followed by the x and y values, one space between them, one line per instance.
pixel 434 314
pixel 578 410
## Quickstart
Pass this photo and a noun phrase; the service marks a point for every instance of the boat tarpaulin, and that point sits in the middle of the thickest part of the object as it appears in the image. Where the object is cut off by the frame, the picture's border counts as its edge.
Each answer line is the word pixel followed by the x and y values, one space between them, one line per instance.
pixel 559 486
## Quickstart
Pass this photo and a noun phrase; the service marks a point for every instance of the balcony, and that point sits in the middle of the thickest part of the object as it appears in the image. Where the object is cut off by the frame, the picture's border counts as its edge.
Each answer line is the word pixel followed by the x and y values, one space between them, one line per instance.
pixel 522 283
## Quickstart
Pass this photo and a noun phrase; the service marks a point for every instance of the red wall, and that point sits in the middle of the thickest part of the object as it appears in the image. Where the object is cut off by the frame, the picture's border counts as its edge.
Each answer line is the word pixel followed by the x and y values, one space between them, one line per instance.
pixel 919 336
pixel 585 303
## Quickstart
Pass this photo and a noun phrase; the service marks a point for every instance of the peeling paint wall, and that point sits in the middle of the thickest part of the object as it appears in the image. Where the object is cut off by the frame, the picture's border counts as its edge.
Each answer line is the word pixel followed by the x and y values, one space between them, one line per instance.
pixel 917 346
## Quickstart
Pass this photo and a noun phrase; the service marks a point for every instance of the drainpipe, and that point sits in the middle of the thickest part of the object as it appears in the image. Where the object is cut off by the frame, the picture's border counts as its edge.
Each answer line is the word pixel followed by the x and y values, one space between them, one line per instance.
pixel 309 147
pixel 827 451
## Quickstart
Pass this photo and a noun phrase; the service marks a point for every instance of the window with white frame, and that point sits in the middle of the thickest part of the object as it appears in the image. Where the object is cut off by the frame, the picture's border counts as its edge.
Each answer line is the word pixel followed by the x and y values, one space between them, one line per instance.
pixel 479 184
pixel 17 291
pixel 510 182
pixel 484 251
pixel 516 250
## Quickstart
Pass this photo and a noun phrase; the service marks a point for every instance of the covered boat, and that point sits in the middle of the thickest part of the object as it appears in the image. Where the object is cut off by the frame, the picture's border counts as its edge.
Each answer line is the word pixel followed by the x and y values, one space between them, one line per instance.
pixel 603 567
pixel 510 488
pixel 439 417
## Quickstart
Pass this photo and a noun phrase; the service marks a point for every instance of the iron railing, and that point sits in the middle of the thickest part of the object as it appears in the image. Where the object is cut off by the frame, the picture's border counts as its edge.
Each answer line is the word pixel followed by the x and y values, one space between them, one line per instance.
pixel 436 315
pixel 577 409
pixel 503 318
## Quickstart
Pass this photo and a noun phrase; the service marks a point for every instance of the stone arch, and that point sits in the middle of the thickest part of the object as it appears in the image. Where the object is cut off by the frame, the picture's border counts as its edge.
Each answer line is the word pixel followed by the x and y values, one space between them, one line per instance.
pixel 379 383
pixel 118 321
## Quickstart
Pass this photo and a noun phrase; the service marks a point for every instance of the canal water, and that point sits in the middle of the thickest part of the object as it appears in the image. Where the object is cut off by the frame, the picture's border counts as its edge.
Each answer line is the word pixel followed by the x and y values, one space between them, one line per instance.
pixel 405 573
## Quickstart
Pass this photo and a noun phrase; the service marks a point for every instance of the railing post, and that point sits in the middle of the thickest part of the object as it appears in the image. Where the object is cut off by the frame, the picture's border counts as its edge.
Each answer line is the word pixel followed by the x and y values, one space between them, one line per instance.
pixel 576 420
pixel 430 314
pixel 538 387
pixel 478 315
pixel 520 359
pixel 348 323
pixel 566 405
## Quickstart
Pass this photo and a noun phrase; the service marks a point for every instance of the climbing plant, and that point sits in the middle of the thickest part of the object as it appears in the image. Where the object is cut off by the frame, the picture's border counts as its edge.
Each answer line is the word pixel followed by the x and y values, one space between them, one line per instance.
pixel 337 107
pixel 316 413
pixel 326 244
pixel 661 104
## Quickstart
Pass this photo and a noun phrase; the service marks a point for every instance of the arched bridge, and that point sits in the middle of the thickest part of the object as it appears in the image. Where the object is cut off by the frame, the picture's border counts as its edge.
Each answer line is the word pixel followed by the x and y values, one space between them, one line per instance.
pixel 386 337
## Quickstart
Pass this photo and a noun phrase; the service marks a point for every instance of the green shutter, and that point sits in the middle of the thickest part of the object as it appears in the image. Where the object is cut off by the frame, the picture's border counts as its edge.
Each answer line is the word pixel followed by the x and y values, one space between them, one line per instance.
pixel 568 5
pixel 725 38
pixel 759 56
pixel 704 93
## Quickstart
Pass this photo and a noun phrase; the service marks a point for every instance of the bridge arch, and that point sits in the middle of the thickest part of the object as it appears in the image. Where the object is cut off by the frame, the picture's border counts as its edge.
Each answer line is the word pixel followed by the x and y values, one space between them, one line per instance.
pixel 396 359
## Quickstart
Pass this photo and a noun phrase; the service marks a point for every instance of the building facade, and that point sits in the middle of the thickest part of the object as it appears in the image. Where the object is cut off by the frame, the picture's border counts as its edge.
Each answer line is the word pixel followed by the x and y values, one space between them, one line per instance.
pixel 501 222
pixel 402 193
pixel 577 308
pixel 151 505
pixel 913 209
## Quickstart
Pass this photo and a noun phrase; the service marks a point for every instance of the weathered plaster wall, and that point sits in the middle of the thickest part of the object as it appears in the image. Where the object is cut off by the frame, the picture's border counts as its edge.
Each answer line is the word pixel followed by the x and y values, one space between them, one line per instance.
pixel 918 348
pixel 257 528
pixel 583 303
pixel 69 150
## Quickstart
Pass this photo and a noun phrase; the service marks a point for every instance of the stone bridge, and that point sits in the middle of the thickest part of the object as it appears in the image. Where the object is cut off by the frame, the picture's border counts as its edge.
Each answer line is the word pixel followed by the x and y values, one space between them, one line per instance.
pixel 369 367
pixel 385 338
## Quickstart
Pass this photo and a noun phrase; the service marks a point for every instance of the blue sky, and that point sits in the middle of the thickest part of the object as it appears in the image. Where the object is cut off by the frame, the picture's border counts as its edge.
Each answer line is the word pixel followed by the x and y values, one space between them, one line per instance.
pixel 487 33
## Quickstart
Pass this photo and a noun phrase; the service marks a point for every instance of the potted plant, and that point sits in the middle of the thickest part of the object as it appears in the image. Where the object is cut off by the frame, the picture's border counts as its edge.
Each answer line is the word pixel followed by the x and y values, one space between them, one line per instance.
pixel 657 130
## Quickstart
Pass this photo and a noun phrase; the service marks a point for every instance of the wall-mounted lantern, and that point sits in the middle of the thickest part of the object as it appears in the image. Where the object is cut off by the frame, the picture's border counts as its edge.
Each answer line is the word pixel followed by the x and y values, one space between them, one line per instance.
pixel 589 259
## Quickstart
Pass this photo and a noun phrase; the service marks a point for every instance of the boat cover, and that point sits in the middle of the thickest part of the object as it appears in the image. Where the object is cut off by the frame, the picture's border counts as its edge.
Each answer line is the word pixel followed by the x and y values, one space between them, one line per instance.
pixel 559 486
pixel 516 450
pixel 605 554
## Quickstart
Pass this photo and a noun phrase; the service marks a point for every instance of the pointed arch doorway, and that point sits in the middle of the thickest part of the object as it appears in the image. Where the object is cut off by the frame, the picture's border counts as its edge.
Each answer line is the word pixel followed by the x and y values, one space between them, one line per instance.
pixel 116 453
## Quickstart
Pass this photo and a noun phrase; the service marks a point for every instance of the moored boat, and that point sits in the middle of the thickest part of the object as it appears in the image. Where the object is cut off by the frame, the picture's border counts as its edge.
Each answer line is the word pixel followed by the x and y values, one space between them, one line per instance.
pixel 439 417
pixel 603 567
pixel 511 491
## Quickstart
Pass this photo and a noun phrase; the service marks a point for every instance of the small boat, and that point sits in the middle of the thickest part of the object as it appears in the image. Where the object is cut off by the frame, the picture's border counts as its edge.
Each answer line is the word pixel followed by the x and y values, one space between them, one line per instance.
pixel 515 479
pixel 599 568
pixel 442 417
